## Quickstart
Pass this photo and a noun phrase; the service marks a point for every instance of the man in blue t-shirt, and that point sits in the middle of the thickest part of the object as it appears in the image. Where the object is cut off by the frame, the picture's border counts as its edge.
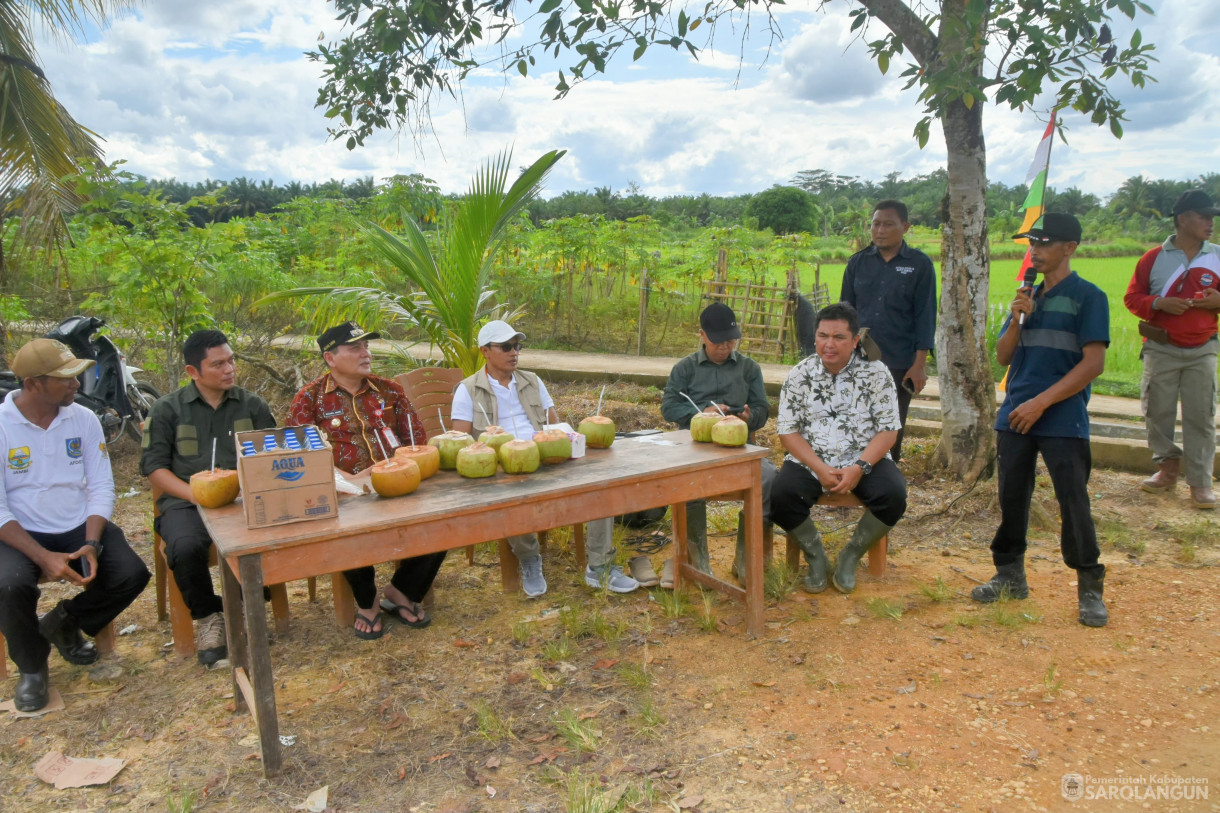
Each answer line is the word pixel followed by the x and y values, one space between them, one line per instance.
pixel 1054 344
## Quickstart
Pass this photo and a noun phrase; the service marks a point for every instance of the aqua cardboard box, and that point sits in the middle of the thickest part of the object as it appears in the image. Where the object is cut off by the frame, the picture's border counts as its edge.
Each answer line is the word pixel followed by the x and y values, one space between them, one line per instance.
pixel 286 475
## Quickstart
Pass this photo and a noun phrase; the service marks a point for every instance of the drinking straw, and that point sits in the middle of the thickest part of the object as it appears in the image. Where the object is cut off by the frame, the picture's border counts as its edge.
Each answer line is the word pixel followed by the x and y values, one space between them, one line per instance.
pixel 440 414
pixel 411 428
pixel 486 417
pixel 213 455
pixel 377 435
pixel 599 400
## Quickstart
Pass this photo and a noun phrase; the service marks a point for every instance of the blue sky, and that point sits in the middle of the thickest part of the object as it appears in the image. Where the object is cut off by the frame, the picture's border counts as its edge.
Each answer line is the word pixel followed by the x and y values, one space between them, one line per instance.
pixel 223 89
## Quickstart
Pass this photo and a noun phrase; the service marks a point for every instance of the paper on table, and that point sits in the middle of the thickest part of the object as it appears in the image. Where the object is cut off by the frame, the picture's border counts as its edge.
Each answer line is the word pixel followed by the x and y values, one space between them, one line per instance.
pixel 68 772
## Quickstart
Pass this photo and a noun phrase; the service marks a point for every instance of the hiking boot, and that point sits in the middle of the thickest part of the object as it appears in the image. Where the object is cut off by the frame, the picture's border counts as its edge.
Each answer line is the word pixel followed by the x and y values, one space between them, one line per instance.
pixel 1165 478
pixel 1008 579
pixel 1089 588
pixel 806 535
pixel 33 690
pixel 63 630
pixel 533 583
pixel 614 579
pixel 1203 498
pixel 210 645
pixel 869 531
pixel 696 536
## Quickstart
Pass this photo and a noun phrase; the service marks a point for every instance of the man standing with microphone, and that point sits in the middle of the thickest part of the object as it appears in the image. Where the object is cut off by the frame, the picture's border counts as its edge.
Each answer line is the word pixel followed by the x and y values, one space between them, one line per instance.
pixel 1054 344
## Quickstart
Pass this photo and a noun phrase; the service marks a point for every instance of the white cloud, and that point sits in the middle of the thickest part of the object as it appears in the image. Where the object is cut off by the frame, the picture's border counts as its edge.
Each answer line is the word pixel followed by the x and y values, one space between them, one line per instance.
pixel 224 90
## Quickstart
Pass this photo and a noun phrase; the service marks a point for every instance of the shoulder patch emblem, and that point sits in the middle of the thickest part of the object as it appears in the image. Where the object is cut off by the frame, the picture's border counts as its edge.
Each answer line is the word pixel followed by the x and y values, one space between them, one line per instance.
pixel 73 448
pixel 19 458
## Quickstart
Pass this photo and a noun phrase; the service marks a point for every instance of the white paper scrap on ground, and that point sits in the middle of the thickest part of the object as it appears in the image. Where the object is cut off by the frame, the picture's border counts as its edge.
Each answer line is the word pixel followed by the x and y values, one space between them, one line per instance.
pixel 69 772
pixel 314 802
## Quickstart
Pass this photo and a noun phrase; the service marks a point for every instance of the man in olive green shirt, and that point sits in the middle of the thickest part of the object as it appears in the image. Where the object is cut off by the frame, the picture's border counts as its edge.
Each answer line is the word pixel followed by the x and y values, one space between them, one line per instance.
pixel 719 380
pixel 178 443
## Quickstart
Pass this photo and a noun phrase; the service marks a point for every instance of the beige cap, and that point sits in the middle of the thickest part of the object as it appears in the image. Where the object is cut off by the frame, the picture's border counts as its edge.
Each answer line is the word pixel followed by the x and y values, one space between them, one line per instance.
pixel 48 357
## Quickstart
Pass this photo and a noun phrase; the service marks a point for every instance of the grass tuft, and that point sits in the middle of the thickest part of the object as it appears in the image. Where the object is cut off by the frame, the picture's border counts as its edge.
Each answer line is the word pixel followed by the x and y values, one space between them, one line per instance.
pixel 936 591
pixel 674 603
pixel 491 726
pixel 779 580
pixel 884 608
pixel 582 735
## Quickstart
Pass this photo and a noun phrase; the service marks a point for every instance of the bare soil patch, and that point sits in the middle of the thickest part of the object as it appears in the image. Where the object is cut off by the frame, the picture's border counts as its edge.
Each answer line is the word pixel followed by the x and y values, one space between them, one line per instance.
pixel 902 696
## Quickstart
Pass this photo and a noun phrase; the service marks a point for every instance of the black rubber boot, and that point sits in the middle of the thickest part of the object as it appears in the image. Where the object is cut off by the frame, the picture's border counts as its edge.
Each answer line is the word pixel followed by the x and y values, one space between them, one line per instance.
pixel 62 630
pixel 806 535
pixel 869 531
pixel 33 690
pixel 1089 588
pixel 696 536
pixel 739 556
pixel 1008 579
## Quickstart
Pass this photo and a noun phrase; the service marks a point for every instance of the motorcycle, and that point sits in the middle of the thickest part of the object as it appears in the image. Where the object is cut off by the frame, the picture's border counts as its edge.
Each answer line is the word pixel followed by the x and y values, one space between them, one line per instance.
pixel 109 388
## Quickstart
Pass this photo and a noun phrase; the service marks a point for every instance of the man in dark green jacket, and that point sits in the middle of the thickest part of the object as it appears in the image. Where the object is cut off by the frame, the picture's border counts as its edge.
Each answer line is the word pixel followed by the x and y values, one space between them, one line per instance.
pixel 178 443
pixel 717 376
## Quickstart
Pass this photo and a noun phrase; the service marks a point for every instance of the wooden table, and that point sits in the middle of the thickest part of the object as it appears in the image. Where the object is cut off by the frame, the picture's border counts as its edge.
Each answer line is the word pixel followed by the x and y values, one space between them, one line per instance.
pixel 449 512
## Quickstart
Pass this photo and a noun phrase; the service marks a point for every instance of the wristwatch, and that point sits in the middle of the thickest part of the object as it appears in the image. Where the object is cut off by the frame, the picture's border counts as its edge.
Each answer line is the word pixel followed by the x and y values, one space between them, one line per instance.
pixel 97 546
pixel 865 466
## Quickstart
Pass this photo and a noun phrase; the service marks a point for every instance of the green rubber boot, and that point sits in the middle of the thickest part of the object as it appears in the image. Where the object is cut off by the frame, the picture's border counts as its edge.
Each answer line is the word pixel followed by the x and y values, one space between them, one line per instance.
pixel 696 536
pixel 869 531
pixel 1008 579
pixel 1089 588
pixel 806 535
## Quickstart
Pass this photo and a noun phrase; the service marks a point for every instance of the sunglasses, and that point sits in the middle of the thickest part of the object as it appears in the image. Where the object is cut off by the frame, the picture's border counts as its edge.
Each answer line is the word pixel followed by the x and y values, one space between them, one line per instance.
pixel 508 347
pixel 1042 241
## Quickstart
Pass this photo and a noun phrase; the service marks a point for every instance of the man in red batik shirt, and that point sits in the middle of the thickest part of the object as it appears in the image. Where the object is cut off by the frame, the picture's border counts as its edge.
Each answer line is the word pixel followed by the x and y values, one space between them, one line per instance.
pixel 365 418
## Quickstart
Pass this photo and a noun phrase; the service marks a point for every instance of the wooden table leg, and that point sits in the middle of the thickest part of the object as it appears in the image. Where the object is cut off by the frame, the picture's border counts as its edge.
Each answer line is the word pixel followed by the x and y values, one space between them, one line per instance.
pixel 258 668
pixel 679 531
pixel 235 628
pixel 345 602
pixel 510 577
pixel 755 600
pixel 578 545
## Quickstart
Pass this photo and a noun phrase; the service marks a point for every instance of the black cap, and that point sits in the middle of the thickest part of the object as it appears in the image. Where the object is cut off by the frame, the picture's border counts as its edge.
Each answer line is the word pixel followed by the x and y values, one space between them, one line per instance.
pixel 1056 226
pixel 345 333
pixel 1195 200
pixel 719 323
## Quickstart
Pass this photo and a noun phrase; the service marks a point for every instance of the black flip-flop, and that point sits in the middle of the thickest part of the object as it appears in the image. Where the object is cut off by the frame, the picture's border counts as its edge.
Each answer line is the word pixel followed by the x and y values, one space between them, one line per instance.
pixel 422 619
pixel 375 622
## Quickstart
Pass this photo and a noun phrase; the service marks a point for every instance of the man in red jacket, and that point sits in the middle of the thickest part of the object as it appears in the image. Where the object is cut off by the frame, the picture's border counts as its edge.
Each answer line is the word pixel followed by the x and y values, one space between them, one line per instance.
pixel 1176 291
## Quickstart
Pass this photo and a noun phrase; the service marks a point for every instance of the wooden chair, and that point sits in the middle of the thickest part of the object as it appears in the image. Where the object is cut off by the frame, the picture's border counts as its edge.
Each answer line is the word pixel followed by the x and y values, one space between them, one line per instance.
pixel 104 641
pixel 431 392
pixel 170 598
pixel 876 554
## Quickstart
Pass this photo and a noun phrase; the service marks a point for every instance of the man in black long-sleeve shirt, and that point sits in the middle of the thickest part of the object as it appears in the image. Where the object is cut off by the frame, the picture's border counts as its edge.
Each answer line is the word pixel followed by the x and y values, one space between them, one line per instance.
pixel 893 288
pixel 718 374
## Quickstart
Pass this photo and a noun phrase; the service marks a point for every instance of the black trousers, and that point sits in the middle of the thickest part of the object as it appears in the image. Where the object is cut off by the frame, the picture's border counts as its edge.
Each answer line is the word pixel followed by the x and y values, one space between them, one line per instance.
pixel 904 404
pixel 796 489
pixel 120 578
pixel 187 546
pixel 413 577
pixel 1069 462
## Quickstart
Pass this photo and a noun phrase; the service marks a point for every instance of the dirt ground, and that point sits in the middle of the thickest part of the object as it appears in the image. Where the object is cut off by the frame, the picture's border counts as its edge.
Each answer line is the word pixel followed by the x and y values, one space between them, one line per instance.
pixel 902 696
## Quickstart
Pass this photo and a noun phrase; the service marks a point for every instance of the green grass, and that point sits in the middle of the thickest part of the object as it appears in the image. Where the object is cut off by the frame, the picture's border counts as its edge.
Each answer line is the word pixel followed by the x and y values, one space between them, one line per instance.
pixel 936 591
pixel 491 726
pixel 582 735
pixel 884 608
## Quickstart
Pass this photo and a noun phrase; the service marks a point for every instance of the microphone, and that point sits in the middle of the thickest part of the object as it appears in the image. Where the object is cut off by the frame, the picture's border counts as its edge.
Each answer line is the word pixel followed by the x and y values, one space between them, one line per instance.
pixel 1031 274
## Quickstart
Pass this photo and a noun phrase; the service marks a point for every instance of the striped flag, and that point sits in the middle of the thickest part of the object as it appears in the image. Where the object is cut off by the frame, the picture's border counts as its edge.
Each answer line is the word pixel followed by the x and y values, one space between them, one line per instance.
pixel 1035 201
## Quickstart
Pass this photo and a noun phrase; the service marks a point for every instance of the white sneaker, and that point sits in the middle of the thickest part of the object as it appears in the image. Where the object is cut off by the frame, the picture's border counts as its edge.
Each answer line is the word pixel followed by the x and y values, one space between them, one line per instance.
pixel 615 580
pixel 533 583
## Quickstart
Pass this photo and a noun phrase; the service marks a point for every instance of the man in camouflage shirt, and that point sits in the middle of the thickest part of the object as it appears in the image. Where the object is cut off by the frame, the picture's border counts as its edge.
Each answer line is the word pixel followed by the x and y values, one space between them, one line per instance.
pixel 838 419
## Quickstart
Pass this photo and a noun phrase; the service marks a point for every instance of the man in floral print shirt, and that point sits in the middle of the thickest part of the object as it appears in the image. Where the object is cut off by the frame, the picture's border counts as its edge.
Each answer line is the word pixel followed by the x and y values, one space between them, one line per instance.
pixel 365 418
pixel 838 419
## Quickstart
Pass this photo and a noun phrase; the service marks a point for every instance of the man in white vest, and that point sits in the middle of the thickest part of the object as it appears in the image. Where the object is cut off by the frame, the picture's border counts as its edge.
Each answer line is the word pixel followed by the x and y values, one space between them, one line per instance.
pixel 500 394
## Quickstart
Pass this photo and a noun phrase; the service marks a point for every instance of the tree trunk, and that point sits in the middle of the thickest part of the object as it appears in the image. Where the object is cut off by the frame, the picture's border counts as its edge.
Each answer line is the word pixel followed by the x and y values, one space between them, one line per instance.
pixel 967 393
